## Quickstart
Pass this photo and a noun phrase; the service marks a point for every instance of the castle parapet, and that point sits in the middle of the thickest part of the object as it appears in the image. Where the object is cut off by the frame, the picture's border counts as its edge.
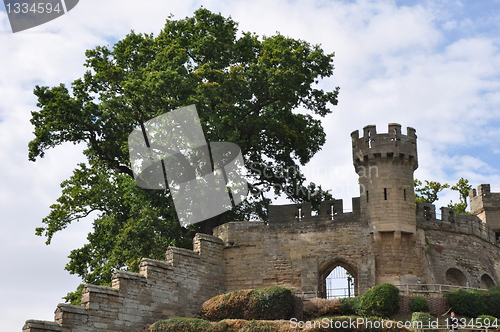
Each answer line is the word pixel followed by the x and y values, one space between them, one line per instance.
pixel 393 145
pixel 163 289
pixel 329 210
pixel 486 205
pixel 426 211
pixel 450 220
pixel 385 164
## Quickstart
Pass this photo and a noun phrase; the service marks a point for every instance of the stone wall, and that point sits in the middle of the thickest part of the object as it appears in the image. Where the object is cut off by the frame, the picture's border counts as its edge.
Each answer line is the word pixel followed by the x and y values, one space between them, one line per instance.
pixel 437 305
pixel 486 205
pixel 461 259
pixel 298 255
pixel 162 289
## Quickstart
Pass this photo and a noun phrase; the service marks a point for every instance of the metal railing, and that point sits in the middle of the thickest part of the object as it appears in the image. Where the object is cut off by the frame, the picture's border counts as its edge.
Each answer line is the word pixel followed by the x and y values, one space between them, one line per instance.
pixel 431 288
pixel 337 293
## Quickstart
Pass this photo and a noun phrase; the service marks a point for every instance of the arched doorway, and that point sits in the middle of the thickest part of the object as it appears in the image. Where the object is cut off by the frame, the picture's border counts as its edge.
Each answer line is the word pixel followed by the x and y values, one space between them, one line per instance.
pixel 456 277
pixel 487 282
pixel 338 279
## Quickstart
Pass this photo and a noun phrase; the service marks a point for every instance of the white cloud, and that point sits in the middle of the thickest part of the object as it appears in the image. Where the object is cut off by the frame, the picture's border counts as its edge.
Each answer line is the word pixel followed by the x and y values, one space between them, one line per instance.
pixel 430 66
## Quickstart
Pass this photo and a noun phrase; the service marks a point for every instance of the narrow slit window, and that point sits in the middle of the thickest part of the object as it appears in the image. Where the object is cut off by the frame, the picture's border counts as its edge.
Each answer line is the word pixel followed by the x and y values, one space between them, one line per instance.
pixel 367 197
pixel 385 194
pixel 404 194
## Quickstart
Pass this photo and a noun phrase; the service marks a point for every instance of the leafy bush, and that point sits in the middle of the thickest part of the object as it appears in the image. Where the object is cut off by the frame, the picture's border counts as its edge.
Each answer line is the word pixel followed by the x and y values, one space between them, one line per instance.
pixel 336 324
pixel 494 290
pixel 423 317
pixel 350 305
pixel 493 303
pixel 181 325
pixel 317 307
pixel 487 320
pixel 381 300
pixel 262 303
pixel 471 303
pixel 419 304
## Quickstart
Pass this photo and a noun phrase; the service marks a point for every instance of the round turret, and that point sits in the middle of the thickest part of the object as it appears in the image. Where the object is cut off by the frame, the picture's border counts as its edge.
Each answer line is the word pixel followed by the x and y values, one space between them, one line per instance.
pixel 385 164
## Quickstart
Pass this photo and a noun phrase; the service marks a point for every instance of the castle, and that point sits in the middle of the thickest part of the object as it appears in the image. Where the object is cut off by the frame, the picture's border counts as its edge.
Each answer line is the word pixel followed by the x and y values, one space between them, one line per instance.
pixel 386 238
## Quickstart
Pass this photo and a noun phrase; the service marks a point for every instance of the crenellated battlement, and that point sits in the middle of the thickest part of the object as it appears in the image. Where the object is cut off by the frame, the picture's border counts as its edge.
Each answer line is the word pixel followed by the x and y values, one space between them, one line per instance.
pixel 385 164
pixel 162 289
pixel 486 205
pixel 448 219
pixel 392 145
pixel 329 210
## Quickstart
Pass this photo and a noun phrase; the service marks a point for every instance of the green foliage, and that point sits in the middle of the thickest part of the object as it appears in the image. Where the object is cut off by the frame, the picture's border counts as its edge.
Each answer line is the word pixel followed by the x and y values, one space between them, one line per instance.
pixel 337 324
pixel 470 303
pixel 381 300
pixel 493 302
pixel 463 187
pixel 424 318
pixel 473 303
pixel 246 90
pixel 494 290
pixel 458 207
pixel 75 297
pixel 261 303
pixel 419 303
pixel 429 192
pixel 350 305
pixel 182 325
pixel 487 320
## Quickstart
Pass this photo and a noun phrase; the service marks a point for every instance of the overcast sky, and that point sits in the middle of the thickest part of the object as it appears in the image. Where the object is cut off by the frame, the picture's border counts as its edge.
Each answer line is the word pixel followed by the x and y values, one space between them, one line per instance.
pixel 431 65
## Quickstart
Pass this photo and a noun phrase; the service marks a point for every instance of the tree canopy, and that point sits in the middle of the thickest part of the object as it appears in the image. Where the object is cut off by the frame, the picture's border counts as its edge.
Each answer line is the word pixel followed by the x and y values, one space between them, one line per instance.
pixel 428 193
pixel 260 93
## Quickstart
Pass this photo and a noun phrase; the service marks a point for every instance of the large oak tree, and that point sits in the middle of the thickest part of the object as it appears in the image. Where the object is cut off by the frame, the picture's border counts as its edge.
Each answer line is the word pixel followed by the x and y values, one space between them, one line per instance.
pixel 259 93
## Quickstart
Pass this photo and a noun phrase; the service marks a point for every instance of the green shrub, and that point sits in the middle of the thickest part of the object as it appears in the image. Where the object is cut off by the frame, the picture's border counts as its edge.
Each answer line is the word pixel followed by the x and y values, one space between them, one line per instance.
pixel 350 305
pixel 333 324
pixel 419 304
pixel 262 303
pixel 470 303
pixel 487 321
pixel 181 325
pixel 423 317
pixel 356 324
pixel 494 289
pixel 381 300
pixel 493 302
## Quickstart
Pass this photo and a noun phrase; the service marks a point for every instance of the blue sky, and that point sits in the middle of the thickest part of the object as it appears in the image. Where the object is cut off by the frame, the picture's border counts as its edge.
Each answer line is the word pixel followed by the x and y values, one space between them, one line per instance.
pixel 431 65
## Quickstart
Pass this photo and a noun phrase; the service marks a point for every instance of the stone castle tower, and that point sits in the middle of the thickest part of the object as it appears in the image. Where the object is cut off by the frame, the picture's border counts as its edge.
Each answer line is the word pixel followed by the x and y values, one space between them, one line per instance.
pixel 385 238
pixel 385 164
